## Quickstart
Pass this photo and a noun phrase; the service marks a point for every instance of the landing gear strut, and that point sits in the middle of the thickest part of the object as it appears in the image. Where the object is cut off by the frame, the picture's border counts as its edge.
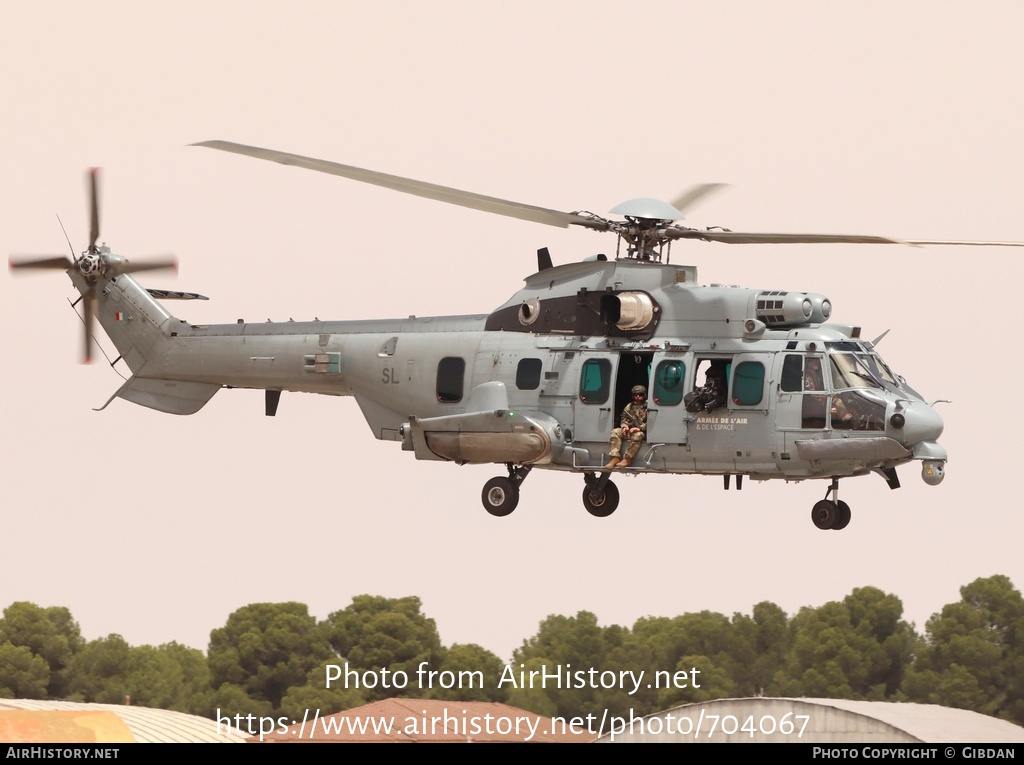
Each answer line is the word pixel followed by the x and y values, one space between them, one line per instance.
pixel 832 513
pixel 600 495
pixel 501 495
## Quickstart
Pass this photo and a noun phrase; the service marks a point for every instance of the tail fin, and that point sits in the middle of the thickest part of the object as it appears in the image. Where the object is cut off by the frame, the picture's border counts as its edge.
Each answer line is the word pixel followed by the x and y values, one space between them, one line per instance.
pixel 136 323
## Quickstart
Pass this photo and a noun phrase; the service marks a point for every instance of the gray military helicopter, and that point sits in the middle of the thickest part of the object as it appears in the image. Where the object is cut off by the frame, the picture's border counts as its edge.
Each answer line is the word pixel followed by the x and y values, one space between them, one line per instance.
pixel 540 381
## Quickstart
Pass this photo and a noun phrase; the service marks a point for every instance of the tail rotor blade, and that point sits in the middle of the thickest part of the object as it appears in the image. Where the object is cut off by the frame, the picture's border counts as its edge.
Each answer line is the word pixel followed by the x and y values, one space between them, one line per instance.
pixel 166 262
pixel 90 297
pixel 94 210
pixel 56 261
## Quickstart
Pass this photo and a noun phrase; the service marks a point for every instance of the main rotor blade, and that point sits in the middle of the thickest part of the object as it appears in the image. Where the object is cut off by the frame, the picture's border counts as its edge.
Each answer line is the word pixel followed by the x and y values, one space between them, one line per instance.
pixel 94 210
pixel 741 237
pixel 57 261
pixel 695 194
pixel 418 188
pixel 960 243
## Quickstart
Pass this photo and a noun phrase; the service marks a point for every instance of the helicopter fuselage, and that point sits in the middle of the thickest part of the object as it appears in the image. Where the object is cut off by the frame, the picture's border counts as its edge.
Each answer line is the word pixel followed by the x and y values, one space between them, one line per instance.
pixel 542 380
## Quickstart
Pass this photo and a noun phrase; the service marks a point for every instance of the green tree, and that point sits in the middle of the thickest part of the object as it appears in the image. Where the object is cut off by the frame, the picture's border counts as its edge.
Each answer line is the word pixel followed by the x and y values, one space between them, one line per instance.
pixel 49 633
pixel 568 644
pixel 859 648
pixel 376 633
pixel 229 700
pixel 760 644
pixel 472 672
pixel 266 648
pixel 99 672
pixel 721 651
pixel 688 687
pixel 315 695
pixel 525 695
pixel 23 675
pixel 973 655
pixel 170 676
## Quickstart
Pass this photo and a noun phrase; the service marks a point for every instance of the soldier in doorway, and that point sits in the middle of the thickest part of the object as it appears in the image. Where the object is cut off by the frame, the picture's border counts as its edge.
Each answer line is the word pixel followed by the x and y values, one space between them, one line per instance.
pixel 632 428
pixel 711 395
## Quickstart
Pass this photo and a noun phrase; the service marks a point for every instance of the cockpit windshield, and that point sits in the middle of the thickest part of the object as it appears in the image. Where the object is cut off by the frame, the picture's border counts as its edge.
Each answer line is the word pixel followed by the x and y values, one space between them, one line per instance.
pixel 878 367
pixel 850 371
pixel 853 367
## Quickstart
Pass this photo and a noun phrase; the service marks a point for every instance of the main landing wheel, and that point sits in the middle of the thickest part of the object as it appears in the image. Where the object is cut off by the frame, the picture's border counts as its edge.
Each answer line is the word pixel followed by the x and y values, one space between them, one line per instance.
pixel 844 516
pixel 500 496
pixel 825 514
pixel 831 515
pixel 601 502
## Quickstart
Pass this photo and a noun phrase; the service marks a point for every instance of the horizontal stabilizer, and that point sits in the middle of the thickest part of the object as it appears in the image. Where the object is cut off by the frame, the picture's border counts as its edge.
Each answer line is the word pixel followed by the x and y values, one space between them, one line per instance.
pixel 171 396
pixel 175 295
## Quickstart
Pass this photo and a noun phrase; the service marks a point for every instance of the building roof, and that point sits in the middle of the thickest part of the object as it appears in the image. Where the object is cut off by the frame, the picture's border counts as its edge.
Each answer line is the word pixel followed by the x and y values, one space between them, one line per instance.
pixel 813 721
pixel 429 720
pixel 932 723
pixel 32 721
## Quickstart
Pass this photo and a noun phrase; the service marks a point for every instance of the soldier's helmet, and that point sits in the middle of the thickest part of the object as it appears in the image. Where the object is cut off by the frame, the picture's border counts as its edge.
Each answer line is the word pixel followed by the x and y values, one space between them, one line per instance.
pixel 639 389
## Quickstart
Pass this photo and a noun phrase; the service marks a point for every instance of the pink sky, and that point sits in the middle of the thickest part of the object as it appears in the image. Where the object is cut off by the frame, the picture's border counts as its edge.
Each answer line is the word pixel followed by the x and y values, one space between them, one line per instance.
pixel 900 119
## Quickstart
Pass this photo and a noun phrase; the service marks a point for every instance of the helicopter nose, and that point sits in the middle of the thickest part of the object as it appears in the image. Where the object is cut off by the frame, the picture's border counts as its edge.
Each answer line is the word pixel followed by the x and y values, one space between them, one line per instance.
pixel 921 423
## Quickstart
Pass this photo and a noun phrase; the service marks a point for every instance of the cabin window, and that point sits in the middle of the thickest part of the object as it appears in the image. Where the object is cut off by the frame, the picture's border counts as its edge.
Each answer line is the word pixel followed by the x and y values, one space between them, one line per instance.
pixel 528 374
pixel 595 381
pixel 450 374
pixel 668 383
pixel 748 383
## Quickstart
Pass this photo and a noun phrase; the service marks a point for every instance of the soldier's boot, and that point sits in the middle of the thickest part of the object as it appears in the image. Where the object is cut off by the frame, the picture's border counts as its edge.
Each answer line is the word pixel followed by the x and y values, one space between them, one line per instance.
pixel 613 462
pixel 625 461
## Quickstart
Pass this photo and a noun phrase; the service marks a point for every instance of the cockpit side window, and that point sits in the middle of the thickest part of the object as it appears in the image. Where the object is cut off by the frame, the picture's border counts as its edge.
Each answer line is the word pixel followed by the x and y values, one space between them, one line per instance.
pixel 814 375
pixel 792 373
pixel 800 373
pixel 855 410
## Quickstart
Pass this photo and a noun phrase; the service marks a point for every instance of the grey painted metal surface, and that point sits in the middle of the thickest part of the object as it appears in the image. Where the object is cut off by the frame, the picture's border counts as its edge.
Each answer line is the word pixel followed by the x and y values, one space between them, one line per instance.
pixel 816 721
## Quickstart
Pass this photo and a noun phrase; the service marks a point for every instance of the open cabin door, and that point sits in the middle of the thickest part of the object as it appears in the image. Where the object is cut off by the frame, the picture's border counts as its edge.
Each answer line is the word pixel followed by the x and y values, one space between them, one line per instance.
pixel 605 380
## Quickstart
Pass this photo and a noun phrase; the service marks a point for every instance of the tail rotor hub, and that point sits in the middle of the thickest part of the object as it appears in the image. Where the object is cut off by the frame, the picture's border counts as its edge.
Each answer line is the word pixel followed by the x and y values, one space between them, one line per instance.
pixel 90 265
pixel 95 263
